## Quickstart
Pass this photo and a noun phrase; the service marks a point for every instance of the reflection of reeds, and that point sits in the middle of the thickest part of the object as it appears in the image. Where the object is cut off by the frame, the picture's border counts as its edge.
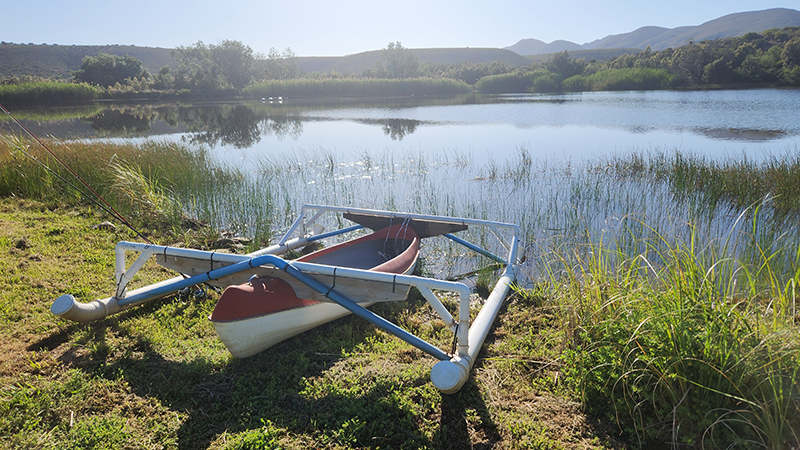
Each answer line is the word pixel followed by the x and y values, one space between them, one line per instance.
pixel 355 88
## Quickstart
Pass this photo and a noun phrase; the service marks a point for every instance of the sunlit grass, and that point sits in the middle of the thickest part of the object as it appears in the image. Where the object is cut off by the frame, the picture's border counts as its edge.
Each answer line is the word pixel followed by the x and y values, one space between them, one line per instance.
pixel 684 342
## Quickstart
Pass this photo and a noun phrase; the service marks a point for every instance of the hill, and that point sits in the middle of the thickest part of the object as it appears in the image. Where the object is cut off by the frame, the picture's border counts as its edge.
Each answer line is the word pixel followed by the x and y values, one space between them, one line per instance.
pixel 731 25
pixel 357 63
pixel 59 61
pixel 659 38
pixel 600 54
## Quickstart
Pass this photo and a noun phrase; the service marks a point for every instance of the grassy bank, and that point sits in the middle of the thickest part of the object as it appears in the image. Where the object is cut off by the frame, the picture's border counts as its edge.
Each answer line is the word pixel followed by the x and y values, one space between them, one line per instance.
pixel 157 186
pixel 642 334
pixel 682 343
pixel 158 377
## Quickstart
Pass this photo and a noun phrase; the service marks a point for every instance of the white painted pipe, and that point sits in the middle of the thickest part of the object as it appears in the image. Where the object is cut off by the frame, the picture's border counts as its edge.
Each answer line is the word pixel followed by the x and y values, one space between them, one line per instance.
pixel 450 376
pixel 67 307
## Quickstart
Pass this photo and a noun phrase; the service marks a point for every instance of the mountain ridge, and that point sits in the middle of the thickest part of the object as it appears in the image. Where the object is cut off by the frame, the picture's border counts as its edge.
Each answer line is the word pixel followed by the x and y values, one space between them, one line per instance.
pixel 660 38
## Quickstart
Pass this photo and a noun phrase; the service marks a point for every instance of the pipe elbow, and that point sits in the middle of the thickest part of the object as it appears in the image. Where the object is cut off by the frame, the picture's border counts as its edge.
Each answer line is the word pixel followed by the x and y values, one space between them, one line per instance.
pixel 68 308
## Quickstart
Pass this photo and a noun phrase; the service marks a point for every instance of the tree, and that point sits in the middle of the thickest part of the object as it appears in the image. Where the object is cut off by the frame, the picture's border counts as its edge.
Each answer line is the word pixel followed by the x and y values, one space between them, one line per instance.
pixel 398 62
pixel 564 66
pixel 201 66
pixel 235 63
pixel 107 70
pixel 791 52
pixel 281 66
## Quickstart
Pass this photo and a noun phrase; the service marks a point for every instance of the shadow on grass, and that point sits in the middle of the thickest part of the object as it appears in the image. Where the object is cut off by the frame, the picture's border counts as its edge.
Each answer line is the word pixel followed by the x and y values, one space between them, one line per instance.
pixel 286 393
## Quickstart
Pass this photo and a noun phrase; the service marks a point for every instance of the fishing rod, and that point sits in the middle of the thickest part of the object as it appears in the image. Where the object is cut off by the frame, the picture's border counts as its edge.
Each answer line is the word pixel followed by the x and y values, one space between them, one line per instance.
pixel 105 206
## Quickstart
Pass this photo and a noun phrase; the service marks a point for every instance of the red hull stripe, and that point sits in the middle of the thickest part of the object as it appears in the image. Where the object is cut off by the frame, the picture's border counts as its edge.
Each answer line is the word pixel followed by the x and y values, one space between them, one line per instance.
pixel 269 295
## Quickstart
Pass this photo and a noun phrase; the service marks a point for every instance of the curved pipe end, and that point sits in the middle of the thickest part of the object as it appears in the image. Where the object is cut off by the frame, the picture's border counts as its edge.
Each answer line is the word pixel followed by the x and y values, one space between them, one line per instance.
pixel 68 308
pixel 450 376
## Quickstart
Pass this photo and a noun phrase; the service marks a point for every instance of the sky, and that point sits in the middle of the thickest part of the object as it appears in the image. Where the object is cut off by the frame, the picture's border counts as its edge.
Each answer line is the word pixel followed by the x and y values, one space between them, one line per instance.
pixel 343 27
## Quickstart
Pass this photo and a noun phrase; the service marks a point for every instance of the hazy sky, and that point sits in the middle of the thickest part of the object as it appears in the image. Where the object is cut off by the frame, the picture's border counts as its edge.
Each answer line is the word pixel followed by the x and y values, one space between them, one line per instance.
pixel 342 27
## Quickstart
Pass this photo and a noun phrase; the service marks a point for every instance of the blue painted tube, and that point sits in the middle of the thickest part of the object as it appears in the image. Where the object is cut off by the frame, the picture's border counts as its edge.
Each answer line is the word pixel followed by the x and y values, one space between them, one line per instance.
pixel 203 277
pixel 284 265
pixel 333 233
pixel 366 314
pixel 474 247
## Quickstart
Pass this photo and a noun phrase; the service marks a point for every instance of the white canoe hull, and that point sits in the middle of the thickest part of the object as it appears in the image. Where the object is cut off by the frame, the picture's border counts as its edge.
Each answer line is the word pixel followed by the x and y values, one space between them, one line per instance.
pixel 272 307
pixel 247 337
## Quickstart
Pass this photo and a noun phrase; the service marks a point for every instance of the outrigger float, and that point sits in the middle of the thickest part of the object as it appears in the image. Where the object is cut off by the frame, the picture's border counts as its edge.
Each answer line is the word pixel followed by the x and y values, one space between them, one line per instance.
pixel 268 299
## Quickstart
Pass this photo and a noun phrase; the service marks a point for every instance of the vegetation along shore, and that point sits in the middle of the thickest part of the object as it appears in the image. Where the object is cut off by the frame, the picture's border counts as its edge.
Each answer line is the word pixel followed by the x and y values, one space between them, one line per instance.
pixel 231 70
pixel 646 336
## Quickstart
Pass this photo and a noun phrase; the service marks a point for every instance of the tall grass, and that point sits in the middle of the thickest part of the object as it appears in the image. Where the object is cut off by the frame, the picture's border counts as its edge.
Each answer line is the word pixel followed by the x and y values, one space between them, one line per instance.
pixel 639 78
pixel 682 342
pixel 735 182
pixel 355 87
pixel 153 184
pixel 47 93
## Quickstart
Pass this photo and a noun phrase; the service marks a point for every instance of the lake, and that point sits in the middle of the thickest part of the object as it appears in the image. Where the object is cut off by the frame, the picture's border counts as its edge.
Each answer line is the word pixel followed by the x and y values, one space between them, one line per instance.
pixel 523 159
pixel 572 126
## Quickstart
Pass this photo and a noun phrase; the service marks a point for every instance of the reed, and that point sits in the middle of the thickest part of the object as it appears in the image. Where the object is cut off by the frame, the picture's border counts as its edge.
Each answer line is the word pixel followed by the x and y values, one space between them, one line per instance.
pixel 637 78
pixel 682 342
pixel 734 182
pixel 154 184
pixel 47 93
pixel 505 83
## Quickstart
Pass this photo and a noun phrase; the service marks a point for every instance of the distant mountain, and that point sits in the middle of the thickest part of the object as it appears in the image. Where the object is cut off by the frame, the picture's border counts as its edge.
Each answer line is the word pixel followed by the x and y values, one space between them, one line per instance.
pixel 356 64
pixel 731 25
pixel 60 61
pixel 537 47
pixel 659 38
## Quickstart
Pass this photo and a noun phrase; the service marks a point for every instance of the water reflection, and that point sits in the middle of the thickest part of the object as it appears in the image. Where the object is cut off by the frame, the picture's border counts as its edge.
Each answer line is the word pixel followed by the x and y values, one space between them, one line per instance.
pixel 239 125
pixel 397 129
pixel 570 124
pixel 742 134
pixel 122 122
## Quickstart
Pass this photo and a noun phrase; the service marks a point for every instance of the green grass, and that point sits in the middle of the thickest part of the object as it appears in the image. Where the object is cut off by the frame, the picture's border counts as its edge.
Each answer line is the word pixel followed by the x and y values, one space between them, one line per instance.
pixel 639 78
pixel 157 186
pixel 157 376
pixel 683 343
pixel 47 93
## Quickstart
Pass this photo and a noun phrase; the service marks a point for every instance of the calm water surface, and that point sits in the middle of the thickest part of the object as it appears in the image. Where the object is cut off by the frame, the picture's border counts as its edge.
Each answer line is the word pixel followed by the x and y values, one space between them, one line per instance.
pixel 573 126
pixel 568 126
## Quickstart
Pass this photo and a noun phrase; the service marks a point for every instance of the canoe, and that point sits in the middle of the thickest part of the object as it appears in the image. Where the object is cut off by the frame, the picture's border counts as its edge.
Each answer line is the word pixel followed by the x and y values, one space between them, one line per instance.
pixel 273 306
pixel 285 297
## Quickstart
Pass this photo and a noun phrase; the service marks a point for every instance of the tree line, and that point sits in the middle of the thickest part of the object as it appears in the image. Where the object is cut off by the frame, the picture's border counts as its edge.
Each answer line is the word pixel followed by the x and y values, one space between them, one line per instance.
pixel 768 58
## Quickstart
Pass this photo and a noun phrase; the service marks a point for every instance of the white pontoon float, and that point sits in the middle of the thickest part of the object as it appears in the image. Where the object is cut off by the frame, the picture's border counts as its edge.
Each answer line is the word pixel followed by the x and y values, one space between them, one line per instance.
pixel 268 299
